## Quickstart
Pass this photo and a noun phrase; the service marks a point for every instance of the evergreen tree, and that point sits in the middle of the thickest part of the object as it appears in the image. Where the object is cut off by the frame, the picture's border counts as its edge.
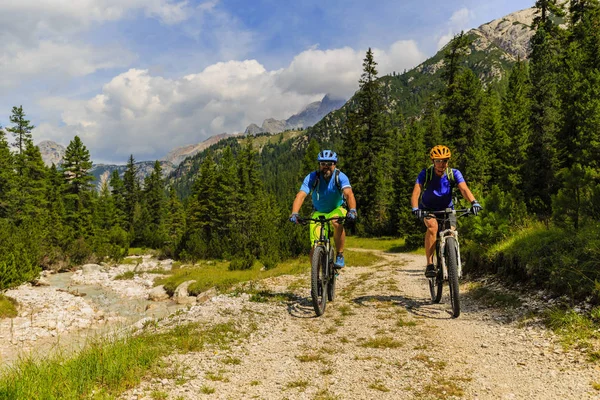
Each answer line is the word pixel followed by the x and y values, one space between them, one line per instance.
pixel 154 208
pixel 512 140
pixel 7 176
pixel 21 130
pixel 118 198
pixel 367 152
pixel 543 161
pixel 76 167
pixel 175 224
pixel 131 193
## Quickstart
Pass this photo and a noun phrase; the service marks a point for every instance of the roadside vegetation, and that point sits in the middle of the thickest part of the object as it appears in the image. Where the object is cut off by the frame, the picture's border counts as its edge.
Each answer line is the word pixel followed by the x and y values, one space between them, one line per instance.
pixel 104 369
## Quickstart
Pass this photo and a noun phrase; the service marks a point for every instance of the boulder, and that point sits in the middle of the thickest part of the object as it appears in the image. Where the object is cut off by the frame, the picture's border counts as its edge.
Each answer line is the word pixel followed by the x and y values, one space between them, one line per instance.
pixel 181 295
pixel 158 293
pixel 206 295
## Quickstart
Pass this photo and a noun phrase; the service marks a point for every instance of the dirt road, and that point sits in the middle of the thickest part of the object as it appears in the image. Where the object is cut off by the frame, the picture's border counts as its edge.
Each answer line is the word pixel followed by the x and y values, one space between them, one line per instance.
pixel 380 339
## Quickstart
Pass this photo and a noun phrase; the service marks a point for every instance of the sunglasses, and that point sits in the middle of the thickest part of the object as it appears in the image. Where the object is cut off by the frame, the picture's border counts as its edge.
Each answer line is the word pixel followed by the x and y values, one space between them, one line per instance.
pixel 325 164
pixel 440 161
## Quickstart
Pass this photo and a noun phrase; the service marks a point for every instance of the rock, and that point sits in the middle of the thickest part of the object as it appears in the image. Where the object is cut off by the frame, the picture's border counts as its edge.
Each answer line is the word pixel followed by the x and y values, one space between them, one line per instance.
pixel 88 269
pixel 158 293
pixel 41 281
pixel 206 295
pixel 181 296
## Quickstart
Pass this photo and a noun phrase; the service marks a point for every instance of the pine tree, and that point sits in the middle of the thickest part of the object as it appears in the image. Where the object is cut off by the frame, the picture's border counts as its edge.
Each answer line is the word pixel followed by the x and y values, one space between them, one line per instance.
pixel 7 176
pixel 76 167
pixel 21 130
pixel 543 162
pixel 131 194
pixel 118 197
pixel 512 141
pixel 367 152
pixel 175 223
pixel 154 208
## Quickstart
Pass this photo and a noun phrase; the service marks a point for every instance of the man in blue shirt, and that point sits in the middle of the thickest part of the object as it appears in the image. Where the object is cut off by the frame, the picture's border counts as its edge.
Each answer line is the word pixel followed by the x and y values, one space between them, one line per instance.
pixel 437 197
pixel 329 187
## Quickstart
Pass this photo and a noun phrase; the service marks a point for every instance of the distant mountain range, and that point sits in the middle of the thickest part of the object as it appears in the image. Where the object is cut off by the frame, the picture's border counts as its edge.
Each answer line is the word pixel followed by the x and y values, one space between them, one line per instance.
pixel 311 114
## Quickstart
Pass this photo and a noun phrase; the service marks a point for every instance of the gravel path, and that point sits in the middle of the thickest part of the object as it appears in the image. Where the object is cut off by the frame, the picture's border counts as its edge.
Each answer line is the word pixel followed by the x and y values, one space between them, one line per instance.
pixel 380 339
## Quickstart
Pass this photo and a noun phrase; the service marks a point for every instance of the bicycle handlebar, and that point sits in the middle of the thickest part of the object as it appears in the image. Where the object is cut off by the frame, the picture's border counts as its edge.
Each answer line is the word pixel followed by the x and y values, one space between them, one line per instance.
pixel 459 213
pixel 305 220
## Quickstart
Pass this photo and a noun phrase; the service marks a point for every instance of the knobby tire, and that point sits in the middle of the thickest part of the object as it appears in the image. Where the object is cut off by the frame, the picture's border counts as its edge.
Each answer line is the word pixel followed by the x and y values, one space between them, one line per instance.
pixel 318 289
pixel 451 251
pixel 332 279
pixel 436 284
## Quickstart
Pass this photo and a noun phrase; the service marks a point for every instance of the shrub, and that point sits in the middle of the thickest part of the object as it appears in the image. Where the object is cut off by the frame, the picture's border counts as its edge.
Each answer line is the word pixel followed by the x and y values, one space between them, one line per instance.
pixel 242 263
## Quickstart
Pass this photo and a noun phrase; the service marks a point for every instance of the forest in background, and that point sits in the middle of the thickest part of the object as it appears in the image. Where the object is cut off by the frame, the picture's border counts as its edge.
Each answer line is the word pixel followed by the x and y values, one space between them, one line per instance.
pixel 528 146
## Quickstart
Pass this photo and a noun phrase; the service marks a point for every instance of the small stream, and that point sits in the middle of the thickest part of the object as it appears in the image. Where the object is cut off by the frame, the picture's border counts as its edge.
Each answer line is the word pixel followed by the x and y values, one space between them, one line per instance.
pixel 29 334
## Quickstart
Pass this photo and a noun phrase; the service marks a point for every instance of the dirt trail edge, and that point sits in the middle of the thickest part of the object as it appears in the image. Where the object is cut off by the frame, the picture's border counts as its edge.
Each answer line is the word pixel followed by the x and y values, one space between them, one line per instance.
pixel 380 339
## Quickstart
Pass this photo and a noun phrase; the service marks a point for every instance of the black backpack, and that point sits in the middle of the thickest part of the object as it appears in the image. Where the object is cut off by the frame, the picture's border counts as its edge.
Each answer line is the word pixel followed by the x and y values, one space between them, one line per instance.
pixel 336 177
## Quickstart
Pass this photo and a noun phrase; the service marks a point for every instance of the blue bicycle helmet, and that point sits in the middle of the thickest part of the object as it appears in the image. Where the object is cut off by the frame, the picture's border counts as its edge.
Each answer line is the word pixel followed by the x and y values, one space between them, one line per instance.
pixel 327 155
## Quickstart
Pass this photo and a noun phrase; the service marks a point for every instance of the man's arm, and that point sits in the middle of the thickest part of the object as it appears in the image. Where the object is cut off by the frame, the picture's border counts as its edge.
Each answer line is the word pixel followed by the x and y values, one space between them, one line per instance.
pixel 414 199
pixel 466 192
pixel 349 195
pixel 298 202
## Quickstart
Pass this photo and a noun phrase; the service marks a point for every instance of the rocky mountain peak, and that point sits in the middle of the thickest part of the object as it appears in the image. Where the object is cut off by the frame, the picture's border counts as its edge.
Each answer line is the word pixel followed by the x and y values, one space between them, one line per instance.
pixel 52 152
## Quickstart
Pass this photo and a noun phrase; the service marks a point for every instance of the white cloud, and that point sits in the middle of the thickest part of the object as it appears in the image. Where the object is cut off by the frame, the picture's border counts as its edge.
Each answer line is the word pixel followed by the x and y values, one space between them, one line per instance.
pixel 460 20
pixel 56 60
pixel 147 116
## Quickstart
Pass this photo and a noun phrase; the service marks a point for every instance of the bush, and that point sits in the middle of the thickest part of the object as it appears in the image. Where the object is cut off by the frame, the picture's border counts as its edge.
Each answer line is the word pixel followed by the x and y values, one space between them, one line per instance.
pixel 79 251
pixel 242 263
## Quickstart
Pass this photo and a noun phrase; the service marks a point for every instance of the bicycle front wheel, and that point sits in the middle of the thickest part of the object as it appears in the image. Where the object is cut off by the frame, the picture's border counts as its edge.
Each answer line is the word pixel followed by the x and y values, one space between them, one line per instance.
pixel 318 283
pixel 436 284
pixel 332 276
pixel 451 251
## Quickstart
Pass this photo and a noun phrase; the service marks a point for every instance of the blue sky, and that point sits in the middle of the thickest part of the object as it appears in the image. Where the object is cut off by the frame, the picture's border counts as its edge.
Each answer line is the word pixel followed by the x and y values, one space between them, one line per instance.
pixel 142 77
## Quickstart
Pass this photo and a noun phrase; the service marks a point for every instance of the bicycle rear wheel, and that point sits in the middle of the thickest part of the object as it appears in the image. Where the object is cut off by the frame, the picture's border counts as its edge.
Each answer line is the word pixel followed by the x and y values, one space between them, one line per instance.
pixel 436 284
pixel 318 282
pixel 451 251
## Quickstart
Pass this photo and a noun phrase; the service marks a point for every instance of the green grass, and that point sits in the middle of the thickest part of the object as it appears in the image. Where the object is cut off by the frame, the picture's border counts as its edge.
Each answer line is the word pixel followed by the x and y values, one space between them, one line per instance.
pixel 360 258
pixel 209 274
pixel 125 276
pixel 132 261
pixel 105 369
pixel 575 330
pixel 392 245
pixel 382 342
pixel 8 307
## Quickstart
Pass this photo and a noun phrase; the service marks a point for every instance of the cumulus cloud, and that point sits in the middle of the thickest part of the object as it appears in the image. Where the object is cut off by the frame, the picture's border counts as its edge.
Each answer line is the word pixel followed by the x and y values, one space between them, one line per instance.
pixel 460 20
pixel 147 116
pixel 56 60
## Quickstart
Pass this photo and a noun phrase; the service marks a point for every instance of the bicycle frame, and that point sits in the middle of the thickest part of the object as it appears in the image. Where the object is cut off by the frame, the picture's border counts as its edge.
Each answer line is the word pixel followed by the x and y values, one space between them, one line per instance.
pixel 444 233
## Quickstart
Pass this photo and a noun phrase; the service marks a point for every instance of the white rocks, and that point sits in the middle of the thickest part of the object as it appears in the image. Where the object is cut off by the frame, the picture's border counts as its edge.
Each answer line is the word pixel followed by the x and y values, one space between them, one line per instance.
pixel 181 296
pixel 158 293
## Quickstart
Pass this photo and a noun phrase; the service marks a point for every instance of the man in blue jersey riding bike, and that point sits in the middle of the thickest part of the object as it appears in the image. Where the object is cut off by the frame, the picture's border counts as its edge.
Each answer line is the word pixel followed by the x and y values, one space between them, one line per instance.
pixel 329 187
pixel 436 184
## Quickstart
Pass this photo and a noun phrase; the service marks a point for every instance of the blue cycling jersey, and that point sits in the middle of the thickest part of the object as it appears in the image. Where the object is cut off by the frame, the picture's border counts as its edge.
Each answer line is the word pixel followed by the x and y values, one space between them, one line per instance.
pixel 438 194
pixel 326 197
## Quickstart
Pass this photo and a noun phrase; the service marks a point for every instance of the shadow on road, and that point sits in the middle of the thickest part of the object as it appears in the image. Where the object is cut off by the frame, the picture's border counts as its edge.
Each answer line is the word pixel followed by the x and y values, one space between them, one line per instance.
pixel 417 306
pixel 301 307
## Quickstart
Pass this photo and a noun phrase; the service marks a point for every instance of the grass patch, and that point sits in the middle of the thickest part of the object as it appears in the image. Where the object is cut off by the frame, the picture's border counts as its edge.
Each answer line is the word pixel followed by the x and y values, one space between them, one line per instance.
pixel 310 358
pixel 575 330
pixel 324 394
pixel 389 244
pixel 382 342
pixel 132 261
pixel 300 384
pixel 430 362
pixel 378 385
pixel 493 298
pixel 107 368
pixel 442 388
pixel 209 274
pixel 8 307
pixel 125 276
pixel 360 258
pixel 264 296
pixel 207 389
pixel 345 310
pixel 231 360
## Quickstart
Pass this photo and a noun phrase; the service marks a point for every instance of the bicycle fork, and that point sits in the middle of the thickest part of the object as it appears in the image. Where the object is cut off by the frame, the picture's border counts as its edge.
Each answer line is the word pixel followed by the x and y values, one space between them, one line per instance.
pixel 443 235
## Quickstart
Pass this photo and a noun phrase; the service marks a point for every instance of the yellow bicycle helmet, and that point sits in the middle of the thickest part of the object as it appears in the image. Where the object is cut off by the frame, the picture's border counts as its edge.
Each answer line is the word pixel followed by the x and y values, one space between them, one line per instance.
pixel 439 152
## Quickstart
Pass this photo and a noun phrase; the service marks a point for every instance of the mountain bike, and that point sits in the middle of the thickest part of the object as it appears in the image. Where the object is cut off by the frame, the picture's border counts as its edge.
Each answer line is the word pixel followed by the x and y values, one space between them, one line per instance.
pixel 323 274
pixel 447 257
